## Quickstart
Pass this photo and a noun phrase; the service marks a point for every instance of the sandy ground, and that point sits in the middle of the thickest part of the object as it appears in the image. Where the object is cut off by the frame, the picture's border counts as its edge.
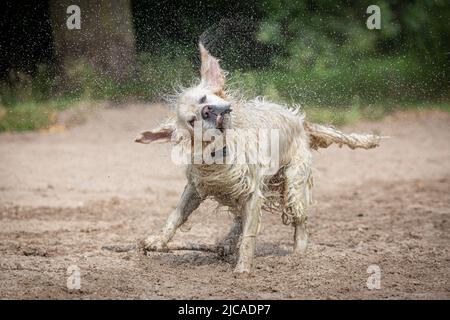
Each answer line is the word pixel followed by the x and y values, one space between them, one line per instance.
pixel 63 195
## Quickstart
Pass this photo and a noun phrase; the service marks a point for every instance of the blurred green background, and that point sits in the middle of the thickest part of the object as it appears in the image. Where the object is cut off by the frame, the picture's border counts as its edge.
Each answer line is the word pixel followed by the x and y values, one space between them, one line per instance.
pixel 319 54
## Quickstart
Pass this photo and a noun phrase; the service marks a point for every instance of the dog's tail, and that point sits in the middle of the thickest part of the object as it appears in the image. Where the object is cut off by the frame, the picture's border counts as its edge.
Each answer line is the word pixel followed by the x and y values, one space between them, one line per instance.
pixel 321 136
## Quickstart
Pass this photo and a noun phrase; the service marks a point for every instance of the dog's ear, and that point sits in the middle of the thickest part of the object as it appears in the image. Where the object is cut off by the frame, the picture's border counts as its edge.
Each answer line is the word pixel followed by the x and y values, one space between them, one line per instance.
pixel 212 75
pixel 163 133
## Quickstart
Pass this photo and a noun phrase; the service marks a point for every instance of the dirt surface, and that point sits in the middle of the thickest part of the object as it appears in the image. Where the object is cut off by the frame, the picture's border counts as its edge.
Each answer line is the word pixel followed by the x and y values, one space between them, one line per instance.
pixel 65 194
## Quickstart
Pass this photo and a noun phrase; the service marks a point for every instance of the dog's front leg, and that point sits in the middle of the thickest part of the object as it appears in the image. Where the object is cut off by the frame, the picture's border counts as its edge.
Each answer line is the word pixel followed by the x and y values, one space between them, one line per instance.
pixel 190 200
pixel 252 220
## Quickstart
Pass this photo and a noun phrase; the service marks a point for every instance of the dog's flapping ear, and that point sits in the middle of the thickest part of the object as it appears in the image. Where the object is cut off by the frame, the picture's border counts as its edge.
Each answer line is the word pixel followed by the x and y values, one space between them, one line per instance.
pixel 212 75
pixel 163 133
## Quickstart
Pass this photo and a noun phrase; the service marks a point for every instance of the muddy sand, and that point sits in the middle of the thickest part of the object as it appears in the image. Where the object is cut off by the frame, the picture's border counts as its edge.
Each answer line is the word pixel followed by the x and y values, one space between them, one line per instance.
pixel 66 193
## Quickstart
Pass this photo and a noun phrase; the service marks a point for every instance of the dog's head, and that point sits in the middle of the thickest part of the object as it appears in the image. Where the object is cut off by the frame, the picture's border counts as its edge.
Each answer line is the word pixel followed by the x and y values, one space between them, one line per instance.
pixel 206 103
pixel 204 106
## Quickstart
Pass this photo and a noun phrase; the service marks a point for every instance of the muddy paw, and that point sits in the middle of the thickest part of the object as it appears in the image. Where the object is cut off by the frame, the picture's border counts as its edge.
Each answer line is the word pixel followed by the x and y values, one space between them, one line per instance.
pixel 242 270
pixel 224 250
pixel 154 243
pixel 299 251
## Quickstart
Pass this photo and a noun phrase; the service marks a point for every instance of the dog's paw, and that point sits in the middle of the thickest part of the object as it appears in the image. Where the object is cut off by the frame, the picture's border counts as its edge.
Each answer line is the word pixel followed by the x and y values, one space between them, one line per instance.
pixel 242 270
pixel 299 250
pixel 154 243
pixel 224 250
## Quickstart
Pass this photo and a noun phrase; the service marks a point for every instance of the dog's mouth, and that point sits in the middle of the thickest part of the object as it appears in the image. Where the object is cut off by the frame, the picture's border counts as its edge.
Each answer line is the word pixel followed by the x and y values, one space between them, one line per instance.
pixel 219 120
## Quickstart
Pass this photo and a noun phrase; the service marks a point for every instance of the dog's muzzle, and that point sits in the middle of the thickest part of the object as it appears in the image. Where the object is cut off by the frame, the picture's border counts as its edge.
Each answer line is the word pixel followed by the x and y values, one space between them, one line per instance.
pixel 216 114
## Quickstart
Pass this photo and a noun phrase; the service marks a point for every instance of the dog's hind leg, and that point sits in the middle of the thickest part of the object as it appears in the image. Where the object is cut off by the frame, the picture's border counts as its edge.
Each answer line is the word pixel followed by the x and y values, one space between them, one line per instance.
pixel 190 200
pixel 250 228
pixel 300 238
pixel 298 186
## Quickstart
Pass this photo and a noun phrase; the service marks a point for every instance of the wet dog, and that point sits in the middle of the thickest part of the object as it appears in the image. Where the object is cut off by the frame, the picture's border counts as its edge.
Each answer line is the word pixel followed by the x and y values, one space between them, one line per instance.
pixel 249 156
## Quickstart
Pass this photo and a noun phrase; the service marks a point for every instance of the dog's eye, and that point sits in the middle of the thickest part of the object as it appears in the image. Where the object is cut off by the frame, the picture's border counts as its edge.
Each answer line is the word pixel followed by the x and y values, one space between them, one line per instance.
pixel 202 99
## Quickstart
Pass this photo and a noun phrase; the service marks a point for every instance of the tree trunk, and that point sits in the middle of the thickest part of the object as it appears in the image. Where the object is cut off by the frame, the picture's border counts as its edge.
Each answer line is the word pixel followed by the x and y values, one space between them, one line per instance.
pixel 105 41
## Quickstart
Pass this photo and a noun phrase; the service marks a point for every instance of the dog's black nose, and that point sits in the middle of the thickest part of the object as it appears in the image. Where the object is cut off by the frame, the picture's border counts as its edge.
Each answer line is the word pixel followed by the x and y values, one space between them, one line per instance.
pixel 216 110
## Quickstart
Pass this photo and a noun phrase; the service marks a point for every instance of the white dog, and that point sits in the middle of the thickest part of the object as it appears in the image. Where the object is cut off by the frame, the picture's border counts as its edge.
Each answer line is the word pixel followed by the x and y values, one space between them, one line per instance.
pixel 244 184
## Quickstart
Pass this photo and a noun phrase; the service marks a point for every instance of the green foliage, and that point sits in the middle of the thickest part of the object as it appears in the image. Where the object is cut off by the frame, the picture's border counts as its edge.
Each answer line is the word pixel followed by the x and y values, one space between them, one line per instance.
pixel 153 77
pixel 334 29
pixel 32 102
pixel 371 81
pixel 316 53
pixel 329 57
pixel 31 115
